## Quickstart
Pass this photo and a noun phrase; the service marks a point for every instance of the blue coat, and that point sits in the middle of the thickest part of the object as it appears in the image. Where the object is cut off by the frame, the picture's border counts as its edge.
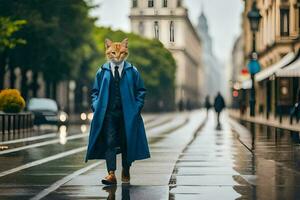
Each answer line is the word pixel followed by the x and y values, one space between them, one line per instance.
pixel 132 94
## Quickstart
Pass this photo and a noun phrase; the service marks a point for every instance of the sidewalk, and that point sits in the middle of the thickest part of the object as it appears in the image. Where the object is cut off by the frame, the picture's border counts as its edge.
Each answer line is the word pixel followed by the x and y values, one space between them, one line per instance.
pixel 149 178
pixel 272 121
pixel 213 166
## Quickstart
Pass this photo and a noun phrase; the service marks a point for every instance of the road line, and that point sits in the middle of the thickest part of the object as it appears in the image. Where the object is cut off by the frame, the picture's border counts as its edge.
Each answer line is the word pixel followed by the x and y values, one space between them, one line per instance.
pixel 64 180
pixel 29 138
pixel 53 157
pixel 72 137
pixel 54 134
pixel 41 161
pixel 49 135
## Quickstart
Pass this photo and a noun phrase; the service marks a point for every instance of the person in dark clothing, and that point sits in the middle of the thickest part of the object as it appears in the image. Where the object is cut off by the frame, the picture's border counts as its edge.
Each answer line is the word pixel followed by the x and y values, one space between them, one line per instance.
pixel 207 104
pixel 295 111
pixel 180 105
pixel 188 105
pixel 219 105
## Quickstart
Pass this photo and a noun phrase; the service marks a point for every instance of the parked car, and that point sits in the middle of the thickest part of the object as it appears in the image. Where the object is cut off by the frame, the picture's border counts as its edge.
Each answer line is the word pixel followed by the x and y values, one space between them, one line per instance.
pixel 46 111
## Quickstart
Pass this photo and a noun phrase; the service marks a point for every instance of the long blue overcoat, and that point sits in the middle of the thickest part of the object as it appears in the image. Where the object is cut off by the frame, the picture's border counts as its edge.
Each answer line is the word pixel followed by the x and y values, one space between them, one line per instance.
pixel 132 94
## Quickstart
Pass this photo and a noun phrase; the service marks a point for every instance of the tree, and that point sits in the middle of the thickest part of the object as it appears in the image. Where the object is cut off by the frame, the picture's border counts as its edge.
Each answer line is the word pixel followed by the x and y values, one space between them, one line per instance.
pixel 57 34
pixel 8 41
pixel 155 63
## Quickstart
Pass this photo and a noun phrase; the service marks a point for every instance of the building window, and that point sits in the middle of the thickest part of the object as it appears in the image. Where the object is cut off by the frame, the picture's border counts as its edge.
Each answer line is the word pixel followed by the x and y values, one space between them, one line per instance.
pixel 156 30
pixel 150 3
pixel 172 32
pixel 134 3
pixel 165 3
pixel 141 28
pixel 284 22
pixel 179 3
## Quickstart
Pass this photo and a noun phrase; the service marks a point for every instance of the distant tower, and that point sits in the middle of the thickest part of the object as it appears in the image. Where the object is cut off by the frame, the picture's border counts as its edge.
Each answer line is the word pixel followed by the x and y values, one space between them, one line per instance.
pixel 212 68
pixel 203 31
pixel 167 20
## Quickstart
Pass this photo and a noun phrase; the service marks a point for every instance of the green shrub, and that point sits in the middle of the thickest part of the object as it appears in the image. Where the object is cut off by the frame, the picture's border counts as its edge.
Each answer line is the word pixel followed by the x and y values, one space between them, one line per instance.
pixel 11 101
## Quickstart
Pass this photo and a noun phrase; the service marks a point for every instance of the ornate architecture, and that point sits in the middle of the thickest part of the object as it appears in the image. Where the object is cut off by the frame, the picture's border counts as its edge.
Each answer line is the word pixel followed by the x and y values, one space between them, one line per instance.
pixel 277 44
pixel 167 20
pixel 212 68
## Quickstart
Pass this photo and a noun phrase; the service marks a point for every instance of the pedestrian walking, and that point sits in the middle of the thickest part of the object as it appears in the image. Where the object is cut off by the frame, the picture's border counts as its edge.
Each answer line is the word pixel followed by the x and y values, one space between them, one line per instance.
pixel 295 111
pixel 188 105
pixel 219 105
pixel 117 126
pixel 180 105
pixel 207 104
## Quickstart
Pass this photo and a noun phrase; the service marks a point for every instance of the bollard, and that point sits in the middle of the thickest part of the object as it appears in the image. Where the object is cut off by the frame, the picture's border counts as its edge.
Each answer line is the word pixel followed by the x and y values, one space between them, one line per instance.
pixel 19 124
pixel 8 124
pixel 14 123
pixel 23 123
pixel 3 124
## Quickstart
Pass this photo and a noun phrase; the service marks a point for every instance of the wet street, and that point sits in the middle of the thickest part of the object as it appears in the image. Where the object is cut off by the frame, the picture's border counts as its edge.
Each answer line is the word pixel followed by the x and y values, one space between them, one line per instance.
pixel 190 159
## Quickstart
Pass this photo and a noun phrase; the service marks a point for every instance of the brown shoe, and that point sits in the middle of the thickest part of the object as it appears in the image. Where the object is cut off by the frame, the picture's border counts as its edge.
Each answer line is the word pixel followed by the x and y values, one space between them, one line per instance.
pixel 125 176
pixel 110 179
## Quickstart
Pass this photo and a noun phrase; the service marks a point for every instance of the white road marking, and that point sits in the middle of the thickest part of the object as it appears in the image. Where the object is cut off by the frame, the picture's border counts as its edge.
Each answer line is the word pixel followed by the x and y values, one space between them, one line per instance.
pixel 61 155
pixel 147 118
pixel 29 138
pixel 72 137
pixel 64 180
pixel 41 161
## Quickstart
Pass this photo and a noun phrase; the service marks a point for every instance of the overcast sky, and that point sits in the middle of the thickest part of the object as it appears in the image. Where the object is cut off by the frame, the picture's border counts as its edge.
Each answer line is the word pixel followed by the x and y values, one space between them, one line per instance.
pixel 224 18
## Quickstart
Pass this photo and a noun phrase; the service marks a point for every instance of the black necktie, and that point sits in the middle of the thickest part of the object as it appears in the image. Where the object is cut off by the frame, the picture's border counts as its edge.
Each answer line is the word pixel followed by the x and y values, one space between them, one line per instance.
pixel 117 75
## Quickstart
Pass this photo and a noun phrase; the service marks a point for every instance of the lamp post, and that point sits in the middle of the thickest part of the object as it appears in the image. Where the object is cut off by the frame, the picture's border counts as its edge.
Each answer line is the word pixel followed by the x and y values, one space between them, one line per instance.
pixel 254 67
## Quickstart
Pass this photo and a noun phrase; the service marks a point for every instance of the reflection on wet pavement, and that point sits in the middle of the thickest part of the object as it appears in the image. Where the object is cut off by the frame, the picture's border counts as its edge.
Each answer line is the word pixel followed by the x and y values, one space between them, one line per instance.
pixel 208 168
pixel 256 162
pixel 53 176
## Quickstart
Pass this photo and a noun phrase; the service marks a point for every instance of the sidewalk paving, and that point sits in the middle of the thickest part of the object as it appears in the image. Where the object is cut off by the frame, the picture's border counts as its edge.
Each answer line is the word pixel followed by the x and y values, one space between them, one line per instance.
pixel 213 166
pixel 149 178
pixel 272 121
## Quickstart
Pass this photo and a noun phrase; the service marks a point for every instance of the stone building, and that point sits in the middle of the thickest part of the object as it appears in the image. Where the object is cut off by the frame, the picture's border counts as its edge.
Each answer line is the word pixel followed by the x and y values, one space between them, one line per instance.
pixel 212 68
pixel 277 45
pixel 168 21
pixel 239 73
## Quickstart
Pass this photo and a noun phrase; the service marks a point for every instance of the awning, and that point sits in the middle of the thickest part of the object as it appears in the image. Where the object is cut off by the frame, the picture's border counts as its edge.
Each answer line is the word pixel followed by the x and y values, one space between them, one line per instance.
pixel 269 71
pixel 292 70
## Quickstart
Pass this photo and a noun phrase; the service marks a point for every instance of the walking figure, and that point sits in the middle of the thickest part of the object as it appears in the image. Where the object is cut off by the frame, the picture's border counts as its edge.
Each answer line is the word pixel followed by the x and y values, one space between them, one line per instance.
pixel 117 100
pixel 219 105
pixel 207 104
pixel 295 111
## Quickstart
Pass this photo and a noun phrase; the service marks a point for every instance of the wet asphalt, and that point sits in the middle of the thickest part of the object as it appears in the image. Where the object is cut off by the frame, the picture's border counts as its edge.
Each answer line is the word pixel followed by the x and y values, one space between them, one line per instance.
pixel 190 159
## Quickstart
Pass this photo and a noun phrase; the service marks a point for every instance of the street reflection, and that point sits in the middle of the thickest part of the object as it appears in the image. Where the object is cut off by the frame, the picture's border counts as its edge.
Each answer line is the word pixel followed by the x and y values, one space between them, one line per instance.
pixel 111 190
pixel 276 163
pixel 62 134
pixel 83 128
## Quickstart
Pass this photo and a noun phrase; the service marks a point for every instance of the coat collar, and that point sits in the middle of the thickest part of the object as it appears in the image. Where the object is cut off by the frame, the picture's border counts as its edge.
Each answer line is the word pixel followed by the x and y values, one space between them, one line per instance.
pixel 126 65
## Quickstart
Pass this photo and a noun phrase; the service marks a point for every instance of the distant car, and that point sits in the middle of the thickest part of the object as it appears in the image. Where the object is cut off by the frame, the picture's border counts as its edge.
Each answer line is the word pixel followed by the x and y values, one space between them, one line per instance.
pixel 46 112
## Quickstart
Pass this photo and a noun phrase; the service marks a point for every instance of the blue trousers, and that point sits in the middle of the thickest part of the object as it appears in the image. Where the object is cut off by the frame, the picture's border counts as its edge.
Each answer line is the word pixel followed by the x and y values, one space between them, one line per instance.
pixel 115 137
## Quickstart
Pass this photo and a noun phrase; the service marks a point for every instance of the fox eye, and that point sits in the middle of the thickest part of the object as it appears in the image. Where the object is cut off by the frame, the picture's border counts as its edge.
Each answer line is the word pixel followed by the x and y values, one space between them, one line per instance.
pixel 114 53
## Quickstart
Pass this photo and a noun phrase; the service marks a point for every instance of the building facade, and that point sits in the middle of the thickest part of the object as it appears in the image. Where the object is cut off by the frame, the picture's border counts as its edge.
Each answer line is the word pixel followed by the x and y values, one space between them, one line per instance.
pixel 277 45
pixel 212 68
pixel 239 72
pixel 167 21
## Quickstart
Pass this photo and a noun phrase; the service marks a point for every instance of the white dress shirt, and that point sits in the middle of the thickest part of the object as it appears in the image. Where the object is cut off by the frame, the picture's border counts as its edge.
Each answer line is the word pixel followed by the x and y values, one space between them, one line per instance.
pixel 112 67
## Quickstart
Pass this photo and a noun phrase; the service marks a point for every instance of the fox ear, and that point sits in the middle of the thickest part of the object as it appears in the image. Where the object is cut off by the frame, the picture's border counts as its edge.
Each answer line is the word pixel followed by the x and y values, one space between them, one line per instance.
pixel 108 43
pixel 125 42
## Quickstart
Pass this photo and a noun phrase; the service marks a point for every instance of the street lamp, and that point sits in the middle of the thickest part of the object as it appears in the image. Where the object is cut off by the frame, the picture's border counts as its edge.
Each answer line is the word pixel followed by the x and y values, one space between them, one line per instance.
pixel 254 67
